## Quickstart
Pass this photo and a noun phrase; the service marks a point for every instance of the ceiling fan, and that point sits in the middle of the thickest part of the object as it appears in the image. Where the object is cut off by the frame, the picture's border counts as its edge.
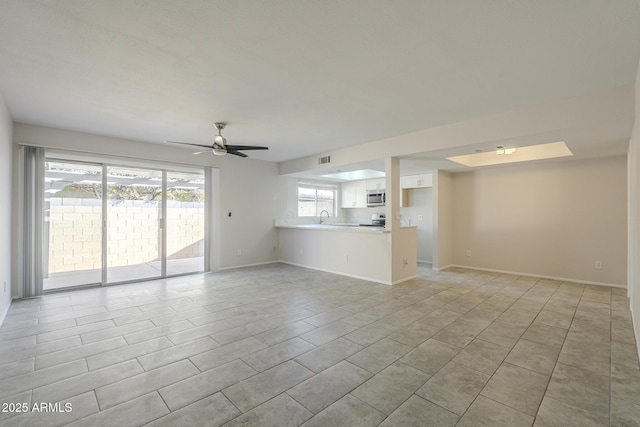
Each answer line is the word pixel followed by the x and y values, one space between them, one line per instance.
pixel 220 146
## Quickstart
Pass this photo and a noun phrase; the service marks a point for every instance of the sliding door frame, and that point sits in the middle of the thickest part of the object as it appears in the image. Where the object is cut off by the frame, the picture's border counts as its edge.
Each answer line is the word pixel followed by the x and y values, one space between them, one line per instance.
pixel 163 227
pixel 210 189
pixel 105 225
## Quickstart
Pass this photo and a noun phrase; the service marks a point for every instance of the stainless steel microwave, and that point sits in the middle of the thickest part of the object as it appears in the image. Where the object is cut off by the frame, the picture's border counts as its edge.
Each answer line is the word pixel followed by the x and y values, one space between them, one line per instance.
pixel 375 198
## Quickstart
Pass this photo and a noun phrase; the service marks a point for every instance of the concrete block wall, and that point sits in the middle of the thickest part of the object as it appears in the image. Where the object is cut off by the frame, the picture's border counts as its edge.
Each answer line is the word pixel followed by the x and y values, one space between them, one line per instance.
pixel 75 239
pixel 185 230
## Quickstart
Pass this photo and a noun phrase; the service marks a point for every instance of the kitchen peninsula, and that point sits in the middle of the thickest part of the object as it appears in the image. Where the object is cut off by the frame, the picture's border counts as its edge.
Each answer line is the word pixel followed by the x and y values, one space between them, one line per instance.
pixel 381 254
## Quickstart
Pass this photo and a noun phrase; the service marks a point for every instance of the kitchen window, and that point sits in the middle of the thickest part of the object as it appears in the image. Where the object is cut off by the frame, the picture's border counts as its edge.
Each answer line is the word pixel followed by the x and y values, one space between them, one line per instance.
pixel 314 198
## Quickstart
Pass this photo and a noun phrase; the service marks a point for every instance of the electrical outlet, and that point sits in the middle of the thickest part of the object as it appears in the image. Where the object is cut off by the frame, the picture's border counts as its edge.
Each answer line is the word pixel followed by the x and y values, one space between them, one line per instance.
pixel 405 261
pixel 239 252
pixel 468 252
pixel 419 217
pixel 598 265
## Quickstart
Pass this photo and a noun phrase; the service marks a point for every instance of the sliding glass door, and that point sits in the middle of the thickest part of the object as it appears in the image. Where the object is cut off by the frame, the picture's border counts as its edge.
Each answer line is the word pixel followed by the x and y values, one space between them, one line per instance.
pixel 185 222
pixel 134 214
pixel 108 224
pixel 72 243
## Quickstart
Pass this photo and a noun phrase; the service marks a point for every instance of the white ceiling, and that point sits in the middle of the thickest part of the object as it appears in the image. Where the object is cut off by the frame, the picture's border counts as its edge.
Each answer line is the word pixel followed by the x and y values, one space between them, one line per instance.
pixel 303 77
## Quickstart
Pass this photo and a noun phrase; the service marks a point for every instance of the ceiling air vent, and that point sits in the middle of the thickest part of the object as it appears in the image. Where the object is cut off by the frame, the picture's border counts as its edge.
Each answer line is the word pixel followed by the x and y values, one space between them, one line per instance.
pixel 324 160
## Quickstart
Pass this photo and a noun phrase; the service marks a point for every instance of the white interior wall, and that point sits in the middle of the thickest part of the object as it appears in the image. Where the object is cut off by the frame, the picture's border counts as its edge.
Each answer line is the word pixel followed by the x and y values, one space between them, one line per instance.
pixel 357 254
pixel 253 193
pixel 552 219
pixel 289 205
pixel 403 240
pixel 421 206
pixel 442 220
pixel 251 190
pixel 6 177
pixel 403 254
pixel 633 161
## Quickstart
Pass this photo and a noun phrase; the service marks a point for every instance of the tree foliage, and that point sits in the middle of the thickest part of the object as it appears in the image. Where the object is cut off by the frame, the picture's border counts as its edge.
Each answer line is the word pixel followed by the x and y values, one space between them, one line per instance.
pixel 119 192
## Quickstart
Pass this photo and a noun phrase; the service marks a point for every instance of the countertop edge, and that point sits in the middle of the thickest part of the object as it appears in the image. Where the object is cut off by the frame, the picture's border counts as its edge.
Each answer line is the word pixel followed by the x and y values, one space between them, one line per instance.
pixel 339 228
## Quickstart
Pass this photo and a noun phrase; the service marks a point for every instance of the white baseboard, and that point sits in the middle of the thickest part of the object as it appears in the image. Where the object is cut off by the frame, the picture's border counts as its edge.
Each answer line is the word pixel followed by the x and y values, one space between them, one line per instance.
pixel 635 331
pixel 541 276
pixel 369 279
pixel 405 279
pixel 468 267
pixel 245 265
pixel 4 315
pixel 445 267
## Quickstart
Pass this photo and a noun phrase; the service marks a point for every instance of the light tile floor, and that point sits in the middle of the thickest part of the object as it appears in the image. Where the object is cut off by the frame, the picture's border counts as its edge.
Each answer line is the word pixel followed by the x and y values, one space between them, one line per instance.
pixel 281 345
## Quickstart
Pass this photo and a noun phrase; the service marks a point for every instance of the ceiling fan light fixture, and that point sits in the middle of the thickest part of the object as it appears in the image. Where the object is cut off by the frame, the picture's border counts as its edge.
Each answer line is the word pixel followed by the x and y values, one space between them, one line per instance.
pixel 525 153
pixel 501 150
pixel 219 142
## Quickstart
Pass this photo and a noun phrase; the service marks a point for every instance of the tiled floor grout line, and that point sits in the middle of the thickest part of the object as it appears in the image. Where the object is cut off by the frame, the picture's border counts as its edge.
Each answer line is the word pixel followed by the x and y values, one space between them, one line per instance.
pixel 559 351
pixel 435 373
pixel 556 362
pixel 291 397
pixel 165 402
pixel 610 358
pixel 500 403
pixel 471 283
pixel 476 337
pixel 410 396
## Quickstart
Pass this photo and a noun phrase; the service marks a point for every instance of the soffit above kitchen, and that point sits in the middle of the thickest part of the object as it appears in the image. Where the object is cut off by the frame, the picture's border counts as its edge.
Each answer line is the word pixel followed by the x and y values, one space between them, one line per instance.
pixel 593 125
pixel 304 77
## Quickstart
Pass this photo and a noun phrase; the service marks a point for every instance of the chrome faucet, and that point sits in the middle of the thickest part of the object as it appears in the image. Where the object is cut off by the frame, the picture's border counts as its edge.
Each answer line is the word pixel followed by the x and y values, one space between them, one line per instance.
pixel 328 216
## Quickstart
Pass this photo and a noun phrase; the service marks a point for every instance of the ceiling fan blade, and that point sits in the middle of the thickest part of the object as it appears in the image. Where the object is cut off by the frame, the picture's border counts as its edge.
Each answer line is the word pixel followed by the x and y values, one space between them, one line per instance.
pixel 189 143
pixel 246 147
pixel 219 146
pixel 236 153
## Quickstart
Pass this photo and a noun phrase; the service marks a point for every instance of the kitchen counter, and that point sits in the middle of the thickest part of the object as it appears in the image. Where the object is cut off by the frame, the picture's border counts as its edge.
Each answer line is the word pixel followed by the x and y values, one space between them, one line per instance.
pixel 335 227
pixel 364 252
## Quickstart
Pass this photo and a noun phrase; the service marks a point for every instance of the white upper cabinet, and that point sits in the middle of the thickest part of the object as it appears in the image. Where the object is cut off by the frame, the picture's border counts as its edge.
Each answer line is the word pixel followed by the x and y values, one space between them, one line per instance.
pixel 376 184
pixel 348 194
pixel 354 193
pixel 361 194
pixel 417 181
